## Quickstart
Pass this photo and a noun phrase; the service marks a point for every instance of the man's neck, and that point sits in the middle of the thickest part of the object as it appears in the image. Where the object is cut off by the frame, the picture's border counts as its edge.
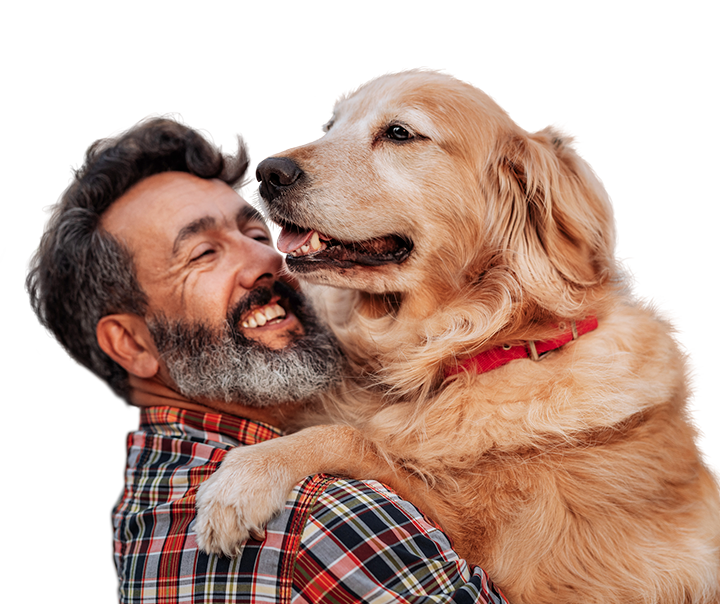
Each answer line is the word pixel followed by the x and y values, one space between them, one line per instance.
pixel 155 392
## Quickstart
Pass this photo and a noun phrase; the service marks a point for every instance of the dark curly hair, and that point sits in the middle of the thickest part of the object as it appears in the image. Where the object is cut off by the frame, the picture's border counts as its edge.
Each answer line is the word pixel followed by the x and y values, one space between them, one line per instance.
pixel 80 273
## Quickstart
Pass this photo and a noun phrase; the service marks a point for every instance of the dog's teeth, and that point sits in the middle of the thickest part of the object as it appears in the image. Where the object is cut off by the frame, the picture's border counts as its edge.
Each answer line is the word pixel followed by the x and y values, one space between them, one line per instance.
pixel 314 245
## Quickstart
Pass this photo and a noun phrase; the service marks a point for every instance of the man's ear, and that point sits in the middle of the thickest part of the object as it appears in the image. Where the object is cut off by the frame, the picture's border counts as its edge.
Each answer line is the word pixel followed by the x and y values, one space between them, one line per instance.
pixel 126 339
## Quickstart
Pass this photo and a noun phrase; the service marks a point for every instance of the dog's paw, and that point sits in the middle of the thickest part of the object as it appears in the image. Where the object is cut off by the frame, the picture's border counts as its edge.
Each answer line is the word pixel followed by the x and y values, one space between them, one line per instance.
pixel 237 501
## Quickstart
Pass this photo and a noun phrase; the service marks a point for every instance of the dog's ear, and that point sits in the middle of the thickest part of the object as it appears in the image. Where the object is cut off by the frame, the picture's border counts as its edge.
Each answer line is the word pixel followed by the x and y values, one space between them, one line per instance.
pixel 556 228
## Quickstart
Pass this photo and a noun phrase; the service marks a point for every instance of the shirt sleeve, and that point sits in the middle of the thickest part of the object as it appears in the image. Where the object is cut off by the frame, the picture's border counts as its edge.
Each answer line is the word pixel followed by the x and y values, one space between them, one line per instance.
pixel 362 543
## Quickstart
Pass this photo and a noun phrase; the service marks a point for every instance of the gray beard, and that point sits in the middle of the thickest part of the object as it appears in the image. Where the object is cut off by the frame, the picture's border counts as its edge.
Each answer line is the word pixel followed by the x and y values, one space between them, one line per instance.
pixel 222 364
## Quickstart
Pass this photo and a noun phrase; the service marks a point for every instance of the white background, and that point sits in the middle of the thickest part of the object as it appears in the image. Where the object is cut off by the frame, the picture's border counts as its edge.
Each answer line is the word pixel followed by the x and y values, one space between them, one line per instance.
pixel 634 82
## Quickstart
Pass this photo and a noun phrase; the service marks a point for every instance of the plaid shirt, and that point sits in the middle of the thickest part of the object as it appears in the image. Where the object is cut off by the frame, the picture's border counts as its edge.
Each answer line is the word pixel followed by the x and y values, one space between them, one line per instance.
pixel 337 541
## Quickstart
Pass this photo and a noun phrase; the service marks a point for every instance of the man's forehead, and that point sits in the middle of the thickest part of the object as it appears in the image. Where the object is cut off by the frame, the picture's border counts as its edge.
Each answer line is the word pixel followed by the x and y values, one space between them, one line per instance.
pixel 170 200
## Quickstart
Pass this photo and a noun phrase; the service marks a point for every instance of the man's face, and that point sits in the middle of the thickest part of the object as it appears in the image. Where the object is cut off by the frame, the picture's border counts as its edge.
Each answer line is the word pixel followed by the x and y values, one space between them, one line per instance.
pixel 199 249
pixel 225 327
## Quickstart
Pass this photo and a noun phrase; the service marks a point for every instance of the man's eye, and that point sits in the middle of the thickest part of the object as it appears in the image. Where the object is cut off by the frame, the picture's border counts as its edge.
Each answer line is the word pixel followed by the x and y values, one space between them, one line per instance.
pixel 259 235
pixel 202 254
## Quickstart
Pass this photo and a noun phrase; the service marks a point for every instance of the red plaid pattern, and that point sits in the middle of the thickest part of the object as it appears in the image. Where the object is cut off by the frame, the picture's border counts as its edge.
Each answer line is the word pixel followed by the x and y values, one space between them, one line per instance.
pixel 337 541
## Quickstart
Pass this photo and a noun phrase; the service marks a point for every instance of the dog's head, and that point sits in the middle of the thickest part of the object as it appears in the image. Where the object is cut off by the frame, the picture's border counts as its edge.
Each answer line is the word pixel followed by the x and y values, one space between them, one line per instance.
pixel 423 186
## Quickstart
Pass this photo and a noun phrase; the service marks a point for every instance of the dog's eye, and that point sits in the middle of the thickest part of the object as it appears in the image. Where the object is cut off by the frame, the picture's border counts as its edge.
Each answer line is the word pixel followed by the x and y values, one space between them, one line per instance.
pixel 328 125
pixel 398 133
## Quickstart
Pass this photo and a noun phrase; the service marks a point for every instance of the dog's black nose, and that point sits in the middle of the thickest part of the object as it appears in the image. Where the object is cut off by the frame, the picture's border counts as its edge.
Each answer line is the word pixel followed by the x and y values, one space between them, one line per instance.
pixel 275 174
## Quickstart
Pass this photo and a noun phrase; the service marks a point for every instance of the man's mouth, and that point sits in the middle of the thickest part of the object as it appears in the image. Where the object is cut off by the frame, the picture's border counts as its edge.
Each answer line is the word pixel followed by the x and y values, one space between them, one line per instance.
pixel 307 247
pixel 264 315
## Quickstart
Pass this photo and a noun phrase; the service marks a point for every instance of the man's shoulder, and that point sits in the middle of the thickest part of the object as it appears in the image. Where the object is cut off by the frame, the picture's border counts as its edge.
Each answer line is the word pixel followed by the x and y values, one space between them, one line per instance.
pixel 360 540
pixel 355 514
pixel 344 498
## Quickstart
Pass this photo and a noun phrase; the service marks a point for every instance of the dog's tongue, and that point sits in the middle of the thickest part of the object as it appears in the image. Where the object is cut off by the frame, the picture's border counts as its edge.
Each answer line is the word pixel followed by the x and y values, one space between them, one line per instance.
pixel 291 240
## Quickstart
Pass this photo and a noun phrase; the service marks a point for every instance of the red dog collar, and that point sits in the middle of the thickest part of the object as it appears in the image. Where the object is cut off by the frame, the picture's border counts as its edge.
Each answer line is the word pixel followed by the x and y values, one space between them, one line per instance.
pixel 497 357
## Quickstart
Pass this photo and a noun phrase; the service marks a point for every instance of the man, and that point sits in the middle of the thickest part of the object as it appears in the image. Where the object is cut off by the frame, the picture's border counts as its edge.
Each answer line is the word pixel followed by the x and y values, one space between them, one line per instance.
pixel 157 276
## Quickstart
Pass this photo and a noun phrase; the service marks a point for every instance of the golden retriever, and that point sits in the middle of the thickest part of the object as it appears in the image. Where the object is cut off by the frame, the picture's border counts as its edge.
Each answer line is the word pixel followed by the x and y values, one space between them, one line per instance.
pixel 505 380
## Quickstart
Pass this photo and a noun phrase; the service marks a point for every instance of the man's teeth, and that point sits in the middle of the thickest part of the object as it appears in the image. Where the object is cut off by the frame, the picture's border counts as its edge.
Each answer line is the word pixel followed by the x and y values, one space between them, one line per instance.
pixel 312 246
pixel 263 315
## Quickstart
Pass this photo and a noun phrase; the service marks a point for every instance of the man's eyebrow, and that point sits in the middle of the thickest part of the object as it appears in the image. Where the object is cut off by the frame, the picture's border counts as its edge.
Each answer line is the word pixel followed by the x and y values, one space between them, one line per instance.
pixel 206 223
pixel 247 213
pixel 196 226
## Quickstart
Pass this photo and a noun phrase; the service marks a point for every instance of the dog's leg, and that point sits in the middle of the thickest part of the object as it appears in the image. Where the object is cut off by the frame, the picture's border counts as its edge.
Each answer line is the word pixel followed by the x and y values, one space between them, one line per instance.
pixel 253 482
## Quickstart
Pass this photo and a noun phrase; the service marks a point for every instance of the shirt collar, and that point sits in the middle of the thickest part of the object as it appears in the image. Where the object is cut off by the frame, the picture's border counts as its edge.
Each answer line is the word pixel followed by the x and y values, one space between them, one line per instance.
pixel 247 432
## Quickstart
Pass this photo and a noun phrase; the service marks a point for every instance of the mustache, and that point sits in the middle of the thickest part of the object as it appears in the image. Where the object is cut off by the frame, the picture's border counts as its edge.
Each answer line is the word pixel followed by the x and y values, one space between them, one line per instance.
pixel 261 296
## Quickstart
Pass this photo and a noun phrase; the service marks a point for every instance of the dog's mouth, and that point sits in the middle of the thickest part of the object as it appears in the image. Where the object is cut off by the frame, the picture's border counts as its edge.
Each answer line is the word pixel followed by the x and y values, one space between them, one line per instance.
pixel 308 249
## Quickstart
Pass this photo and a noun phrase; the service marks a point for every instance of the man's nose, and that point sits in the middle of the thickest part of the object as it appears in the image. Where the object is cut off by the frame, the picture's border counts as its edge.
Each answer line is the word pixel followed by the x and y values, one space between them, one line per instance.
pixel 258 262
pixel 276 175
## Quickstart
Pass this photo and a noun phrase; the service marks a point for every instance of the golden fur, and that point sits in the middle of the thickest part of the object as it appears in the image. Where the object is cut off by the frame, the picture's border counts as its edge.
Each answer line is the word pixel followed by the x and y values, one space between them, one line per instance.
pixel 573 479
